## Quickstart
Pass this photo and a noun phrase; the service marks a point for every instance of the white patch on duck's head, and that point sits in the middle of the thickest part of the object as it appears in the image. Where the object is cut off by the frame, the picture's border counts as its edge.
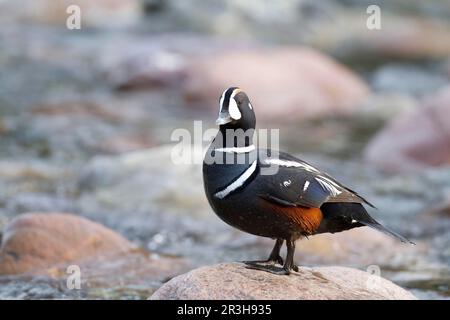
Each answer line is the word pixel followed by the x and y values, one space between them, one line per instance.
pixel 233 108
pixel 229 109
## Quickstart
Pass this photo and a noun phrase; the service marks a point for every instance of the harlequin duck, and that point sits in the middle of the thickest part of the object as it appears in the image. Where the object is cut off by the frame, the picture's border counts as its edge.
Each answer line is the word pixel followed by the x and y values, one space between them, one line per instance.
pixel 293 201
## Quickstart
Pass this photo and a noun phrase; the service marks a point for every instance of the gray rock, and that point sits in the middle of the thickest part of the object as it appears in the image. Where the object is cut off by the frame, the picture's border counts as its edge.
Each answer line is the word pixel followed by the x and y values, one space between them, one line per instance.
pixel 414 80
pixel 36 288
pixel 383 106
pixel 234 281
pixel 144 181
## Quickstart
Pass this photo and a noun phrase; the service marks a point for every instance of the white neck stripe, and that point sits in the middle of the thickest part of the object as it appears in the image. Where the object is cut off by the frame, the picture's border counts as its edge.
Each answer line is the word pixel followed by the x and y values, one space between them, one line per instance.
pixel 236 149
pixel 237 183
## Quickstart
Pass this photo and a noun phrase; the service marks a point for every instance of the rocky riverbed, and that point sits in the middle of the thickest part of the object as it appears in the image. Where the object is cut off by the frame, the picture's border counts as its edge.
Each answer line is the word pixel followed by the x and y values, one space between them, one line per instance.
pixel 86 118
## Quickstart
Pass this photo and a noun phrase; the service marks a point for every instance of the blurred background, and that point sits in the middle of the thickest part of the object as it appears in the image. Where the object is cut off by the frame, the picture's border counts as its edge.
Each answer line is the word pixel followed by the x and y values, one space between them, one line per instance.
pixel 86 117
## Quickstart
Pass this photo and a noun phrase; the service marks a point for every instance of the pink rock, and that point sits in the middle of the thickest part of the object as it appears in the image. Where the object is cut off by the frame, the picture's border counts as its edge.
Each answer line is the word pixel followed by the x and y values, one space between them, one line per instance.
pixel 41 240
pixel 287 83
pixel 46 244
pixel 416 139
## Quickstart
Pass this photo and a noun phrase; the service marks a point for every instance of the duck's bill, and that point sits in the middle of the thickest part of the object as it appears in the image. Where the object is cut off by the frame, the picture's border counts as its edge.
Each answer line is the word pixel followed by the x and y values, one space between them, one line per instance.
pixel 223 119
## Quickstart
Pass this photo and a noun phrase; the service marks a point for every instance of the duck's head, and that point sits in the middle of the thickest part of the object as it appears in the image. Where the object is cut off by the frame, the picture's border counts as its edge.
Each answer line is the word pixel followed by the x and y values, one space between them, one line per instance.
pixel 236 111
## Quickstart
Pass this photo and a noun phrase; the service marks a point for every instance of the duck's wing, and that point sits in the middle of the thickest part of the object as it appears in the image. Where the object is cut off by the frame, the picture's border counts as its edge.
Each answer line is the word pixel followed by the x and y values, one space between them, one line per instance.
pixel 290 181
pixel 295 183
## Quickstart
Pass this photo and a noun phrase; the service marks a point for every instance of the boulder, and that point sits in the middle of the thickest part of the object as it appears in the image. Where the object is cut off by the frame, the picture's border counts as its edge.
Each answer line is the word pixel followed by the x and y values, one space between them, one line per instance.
pixel 49 247
pixel 288 83
pixel 415 139
pixel 234 281
pixel 35 241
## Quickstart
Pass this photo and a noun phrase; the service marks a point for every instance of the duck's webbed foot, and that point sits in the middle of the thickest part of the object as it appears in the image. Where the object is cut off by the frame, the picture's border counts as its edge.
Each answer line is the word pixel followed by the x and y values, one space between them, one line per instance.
pixel 270 264
pixel 269 268
pixel 274 257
